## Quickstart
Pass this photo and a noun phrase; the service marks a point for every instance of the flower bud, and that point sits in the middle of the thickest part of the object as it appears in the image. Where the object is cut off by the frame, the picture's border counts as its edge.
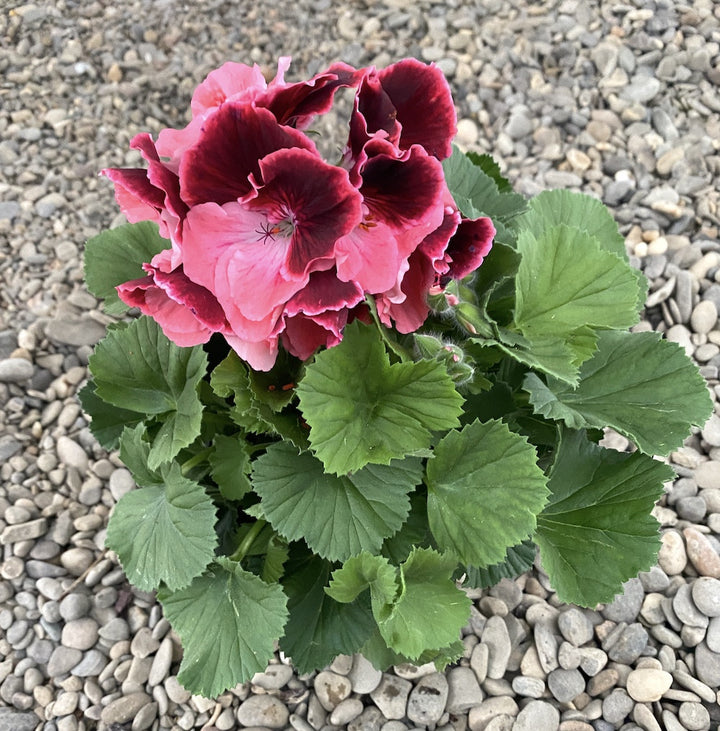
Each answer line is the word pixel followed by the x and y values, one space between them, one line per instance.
pixel 451 355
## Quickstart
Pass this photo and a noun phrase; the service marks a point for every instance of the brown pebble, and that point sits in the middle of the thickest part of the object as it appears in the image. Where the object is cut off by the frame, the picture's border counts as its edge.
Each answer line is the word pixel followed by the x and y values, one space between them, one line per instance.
pixel 701 553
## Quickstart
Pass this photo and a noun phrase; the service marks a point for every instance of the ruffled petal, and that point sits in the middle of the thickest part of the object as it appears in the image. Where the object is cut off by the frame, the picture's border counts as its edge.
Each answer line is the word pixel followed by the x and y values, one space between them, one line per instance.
pixel 414 88
pixel 230 81
pixel 177 321
pixel 226 250
pixel 324 292
pixel 298 104
pixel 233 141
pixel 469 245
pixel 316 201
pixel 303 335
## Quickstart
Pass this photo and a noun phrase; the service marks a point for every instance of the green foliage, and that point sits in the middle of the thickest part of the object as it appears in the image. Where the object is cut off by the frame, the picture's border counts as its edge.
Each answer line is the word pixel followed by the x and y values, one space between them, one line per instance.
pixel 331 506
pixel 416 606
pixel 362 409
pixel 116 256
pixel 136 368
pixel 644 387
pixel 597 531
pixel 351 513
pixel 244 615
pixel 484 492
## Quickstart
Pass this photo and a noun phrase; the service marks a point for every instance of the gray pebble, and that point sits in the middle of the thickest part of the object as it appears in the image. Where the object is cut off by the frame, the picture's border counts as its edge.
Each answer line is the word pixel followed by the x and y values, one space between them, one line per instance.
pixel 330 689
pixel 363 676
pixel 80 634
pixel 704 316
pixel 115 630
pixel 72 454
pixel 565 684
pixel 11 720
pixel 706 595
pixel 537 716
pixel 125 708
pixel 707 665
pixel 463 690
pixel 626 606
pixel 161 663
pixel 391 696
pixel 495 636
pixel 427 699
pixel 24 531
pixel 369 720
pixel 93 663
pixel 346 711
pixel 685 608
pixel 15 370
pixel 273 678
pixel 546 644
pixel 617 706
pixel 629 645
pixel 694 716
pixel 75 606
pixel 575 627
pixel 712 636
pixel 263 710
pixel 62 660
pixel 527 686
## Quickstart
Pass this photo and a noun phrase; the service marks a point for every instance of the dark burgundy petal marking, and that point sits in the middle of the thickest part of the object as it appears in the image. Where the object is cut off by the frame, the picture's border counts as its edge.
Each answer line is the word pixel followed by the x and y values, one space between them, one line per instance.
pixel 233 141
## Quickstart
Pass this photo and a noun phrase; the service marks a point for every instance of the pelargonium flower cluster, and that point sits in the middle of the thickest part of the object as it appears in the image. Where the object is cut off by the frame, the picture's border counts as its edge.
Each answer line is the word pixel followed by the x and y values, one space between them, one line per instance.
pixel 271 244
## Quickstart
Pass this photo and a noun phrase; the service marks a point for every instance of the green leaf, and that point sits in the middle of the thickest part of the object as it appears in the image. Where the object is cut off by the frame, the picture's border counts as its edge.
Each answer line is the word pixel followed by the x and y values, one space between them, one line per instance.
pixel 490 167
pixel 567 281
pixel 361 572
pixel 417 607
pixel 577 210
pixel 107 421
pixel 363 410
pixel 134 453
pixel 319 628
pixel 230 466
pixel 415 531
pixel 137 368
pixel 253 409
pixel 164 534
pixel 245 616
pixel 430 611
pixel 518 560
pixel 116 256
pixel 644 387
pixel 274 565
pixel 349 514
pixel 597 530
pixel 476 193
pixel 484 492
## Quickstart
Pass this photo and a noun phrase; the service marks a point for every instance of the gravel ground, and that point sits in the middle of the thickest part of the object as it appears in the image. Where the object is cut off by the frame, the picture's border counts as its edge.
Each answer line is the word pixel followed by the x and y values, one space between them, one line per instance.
pixel 619 100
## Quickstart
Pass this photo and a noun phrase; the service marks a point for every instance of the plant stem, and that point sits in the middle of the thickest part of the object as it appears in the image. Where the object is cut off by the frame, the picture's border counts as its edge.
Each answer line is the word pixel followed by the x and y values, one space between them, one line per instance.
pixel 194 461
pixel 396 348
pixel 246 543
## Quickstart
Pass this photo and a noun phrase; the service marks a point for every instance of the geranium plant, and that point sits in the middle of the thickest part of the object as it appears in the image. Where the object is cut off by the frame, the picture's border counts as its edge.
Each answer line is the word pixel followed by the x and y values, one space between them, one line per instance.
pixel 359 384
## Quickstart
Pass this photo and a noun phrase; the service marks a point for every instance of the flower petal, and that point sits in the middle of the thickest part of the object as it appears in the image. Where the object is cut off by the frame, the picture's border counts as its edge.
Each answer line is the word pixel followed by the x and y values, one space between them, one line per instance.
pixel 303 335
pixel 176 320
pixel 316 198
pixel 233 140
pixel 230 81
pixel 324 292
pixel 297 104
pixel 469 245
pixel 414 88
pixel 226 251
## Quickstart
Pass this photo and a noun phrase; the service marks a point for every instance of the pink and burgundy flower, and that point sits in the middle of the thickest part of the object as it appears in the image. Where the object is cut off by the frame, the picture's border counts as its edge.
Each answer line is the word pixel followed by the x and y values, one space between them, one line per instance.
pixel 270 245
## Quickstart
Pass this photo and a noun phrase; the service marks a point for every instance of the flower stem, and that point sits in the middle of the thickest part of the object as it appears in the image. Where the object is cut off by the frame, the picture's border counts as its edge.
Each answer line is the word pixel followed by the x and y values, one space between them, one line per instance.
pixel 195 460
pixel 246 543
pixel 396 348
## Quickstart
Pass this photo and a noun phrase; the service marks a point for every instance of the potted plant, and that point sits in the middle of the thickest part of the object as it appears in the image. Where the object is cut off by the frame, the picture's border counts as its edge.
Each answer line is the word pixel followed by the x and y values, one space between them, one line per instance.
pixel 358 385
